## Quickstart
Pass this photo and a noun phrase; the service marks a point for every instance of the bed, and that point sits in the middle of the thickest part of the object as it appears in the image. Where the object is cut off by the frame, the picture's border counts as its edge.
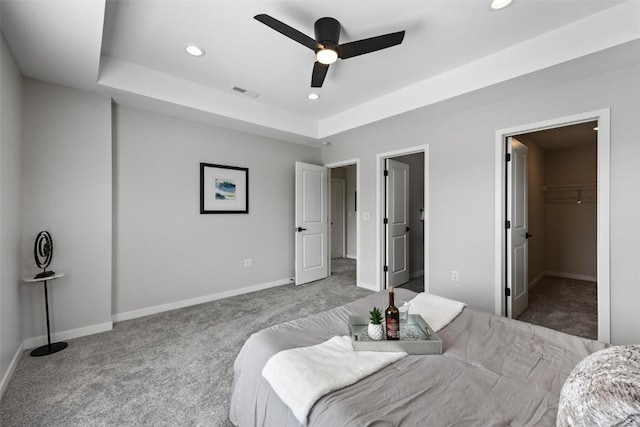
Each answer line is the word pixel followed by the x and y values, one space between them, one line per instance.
pixel 493 371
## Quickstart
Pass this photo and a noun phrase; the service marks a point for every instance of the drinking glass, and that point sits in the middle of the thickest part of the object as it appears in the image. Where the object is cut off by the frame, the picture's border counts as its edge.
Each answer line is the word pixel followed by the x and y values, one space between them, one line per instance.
pixel 404 313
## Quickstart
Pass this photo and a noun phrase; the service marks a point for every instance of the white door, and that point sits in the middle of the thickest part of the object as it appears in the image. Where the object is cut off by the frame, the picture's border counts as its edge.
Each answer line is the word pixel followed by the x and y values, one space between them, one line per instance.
pixel 397 222
pixel 311 223
pixel 337 218
pixel 517 235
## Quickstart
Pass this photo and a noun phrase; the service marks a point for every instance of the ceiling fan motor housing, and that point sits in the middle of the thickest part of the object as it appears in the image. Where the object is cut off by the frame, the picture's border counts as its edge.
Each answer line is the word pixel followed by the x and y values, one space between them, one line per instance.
pixel 327 31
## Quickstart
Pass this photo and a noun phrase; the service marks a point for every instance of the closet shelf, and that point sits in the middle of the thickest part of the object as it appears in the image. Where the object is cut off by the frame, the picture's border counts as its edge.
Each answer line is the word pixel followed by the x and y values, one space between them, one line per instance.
pixel 570 193
pixel 569 187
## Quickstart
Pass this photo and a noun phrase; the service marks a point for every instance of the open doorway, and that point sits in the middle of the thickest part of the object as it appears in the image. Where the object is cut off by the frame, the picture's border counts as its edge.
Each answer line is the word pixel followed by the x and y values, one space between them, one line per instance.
pixel 343 220
pixel 321 232
pixel 344 227
pixel 402 235
pixel 561 282
pixel 567 224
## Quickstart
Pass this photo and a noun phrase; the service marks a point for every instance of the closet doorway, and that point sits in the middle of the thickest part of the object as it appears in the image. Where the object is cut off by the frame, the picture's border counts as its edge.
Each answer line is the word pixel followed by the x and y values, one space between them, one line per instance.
pixel 561 234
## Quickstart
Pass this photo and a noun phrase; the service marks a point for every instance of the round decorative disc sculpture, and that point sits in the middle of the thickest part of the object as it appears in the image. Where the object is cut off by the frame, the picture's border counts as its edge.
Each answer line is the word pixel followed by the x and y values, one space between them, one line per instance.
pixel 43 252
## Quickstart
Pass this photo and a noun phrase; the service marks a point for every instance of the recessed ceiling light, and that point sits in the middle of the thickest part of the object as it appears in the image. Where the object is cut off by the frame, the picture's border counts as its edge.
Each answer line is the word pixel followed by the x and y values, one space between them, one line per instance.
pixel 313 96
pixel 194 50
pixel 500 4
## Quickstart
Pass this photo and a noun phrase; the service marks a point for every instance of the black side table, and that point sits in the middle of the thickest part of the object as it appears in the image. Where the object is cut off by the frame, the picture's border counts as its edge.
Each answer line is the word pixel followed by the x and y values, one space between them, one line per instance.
pixel 48 348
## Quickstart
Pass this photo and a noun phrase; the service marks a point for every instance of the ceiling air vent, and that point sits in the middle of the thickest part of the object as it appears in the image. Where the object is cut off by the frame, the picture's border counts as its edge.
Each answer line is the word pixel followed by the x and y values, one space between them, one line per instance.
pixel 245 92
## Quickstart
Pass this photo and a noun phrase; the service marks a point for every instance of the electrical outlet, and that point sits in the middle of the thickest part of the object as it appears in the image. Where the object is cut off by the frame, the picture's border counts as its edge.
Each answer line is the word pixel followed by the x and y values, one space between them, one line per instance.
pixel 248 263
pixel 454 276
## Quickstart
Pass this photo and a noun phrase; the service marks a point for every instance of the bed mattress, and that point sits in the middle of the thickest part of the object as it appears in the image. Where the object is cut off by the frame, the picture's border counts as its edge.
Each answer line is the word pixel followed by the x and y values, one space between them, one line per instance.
pixel 493 371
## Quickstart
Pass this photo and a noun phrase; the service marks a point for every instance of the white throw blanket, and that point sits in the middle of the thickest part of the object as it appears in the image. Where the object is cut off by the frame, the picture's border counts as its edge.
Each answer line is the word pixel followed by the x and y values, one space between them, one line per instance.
pixel 300 376
pixel 437 311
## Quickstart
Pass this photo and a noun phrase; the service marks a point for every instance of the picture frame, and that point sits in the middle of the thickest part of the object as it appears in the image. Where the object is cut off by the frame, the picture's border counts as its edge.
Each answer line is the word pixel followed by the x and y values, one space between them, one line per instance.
pixel 223 189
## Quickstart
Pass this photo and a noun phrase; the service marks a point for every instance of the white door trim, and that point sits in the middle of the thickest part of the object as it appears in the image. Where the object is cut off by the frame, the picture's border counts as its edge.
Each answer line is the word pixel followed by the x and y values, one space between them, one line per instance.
pixel 603 203
pixel 380 158
pixel 350 162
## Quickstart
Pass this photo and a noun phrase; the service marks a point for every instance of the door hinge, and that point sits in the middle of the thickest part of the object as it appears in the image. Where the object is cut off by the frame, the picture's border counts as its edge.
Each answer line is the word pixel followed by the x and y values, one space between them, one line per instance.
pixel 507 292
pixel 508 157
pixel 385 221
pixel 386 172
pixel 507 224
pixel 386 268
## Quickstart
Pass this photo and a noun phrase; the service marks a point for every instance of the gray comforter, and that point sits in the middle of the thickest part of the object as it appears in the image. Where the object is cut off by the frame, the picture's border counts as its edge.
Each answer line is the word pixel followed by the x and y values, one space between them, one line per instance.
pixel 494 372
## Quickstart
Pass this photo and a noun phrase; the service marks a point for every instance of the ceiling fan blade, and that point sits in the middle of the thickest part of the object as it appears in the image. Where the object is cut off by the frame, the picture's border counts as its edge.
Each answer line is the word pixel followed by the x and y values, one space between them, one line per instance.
pixel 288 31
pixel 319 73
pixel 360 47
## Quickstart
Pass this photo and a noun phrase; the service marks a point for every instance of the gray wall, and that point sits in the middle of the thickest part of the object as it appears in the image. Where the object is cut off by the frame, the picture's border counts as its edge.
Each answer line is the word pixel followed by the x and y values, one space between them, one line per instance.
pixel 165 250
pixel 10 211
pixel 461 136
pixel 67 191
pixel 571 229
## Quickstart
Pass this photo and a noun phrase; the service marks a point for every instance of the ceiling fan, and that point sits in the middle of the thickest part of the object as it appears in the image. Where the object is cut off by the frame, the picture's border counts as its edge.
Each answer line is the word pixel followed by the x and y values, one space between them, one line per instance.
pixel 325 45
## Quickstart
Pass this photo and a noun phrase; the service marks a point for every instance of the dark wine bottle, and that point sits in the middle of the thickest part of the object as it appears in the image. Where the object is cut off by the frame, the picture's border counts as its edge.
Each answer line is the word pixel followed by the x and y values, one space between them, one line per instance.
pixel 392 318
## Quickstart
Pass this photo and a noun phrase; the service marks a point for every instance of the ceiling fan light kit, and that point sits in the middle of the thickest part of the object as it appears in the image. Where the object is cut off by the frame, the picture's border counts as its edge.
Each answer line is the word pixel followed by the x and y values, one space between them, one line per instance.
pixel 326 43
pixel 327 56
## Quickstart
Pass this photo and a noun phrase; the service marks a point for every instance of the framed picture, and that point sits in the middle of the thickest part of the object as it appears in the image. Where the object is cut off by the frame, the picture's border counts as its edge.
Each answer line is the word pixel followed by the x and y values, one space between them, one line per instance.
pixel 223 189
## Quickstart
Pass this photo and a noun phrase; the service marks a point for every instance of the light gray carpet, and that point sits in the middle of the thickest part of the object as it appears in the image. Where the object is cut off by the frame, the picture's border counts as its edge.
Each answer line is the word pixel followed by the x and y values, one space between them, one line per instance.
pixel 170 369
pixel 416 284
pixel 566 305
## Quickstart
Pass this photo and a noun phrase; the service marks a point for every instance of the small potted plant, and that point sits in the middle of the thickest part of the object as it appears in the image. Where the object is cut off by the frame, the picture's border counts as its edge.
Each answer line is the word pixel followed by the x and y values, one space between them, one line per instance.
pixel 375 328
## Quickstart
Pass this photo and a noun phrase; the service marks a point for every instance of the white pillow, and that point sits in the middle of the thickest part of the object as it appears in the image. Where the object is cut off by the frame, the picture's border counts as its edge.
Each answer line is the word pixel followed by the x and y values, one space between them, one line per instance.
pixel 603 390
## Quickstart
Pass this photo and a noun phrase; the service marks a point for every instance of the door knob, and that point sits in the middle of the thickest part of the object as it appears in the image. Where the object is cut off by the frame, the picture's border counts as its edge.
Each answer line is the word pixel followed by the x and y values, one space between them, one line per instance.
pixel 408 229
pixel 299 229
pixel 527 235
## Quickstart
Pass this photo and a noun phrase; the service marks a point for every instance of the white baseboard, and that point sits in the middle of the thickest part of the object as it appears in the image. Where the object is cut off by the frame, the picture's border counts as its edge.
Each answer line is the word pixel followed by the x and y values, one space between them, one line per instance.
pixel 194 301
pixel 67 335
pixel 12 368
pixel 537 280
pixel 417 274
pixel 350 256
pixel 368 286
pixel 571 276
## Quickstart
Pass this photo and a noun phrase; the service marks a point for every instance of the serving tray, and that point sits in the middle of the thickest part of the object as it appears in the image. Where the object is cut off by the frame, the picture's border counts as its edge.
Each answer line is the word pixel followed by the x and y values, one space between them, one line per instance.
pixel 416 337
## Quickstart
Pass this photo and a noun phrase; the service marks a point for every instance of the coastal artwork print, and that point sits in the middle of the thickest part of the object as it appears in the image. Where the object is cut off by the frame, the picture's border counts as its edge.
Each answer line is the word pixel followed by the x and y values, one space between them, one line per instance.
pixel 223 189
